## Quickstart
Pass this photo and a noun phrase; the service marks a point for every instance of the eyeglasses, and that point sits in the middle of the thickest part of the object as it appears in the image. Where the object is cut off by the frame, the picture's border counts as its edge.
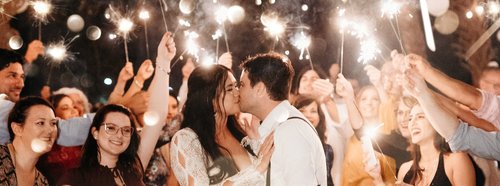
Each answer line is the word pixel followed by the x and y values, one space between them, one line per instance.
pixel 113 129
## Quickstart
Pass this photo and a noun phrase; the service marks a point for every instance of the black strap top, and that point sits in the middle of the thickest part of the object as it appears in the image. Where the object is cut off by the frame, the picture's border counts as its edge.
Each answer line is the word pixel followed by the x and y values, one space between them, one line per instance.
pixel 440 177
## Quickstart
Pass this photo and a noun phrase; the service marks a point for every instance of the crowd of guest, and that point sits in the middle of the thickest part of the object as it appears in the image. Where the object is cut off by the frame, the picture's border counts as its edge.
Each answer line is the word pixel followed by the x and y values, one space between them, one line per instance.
pixel 273 125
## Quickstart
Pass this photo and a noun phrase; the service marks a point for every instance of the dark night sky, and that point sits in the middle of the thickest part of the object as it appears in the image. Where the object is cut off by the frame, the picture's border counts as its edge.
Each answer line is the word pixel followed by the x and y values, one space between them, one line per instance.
pixel 96 60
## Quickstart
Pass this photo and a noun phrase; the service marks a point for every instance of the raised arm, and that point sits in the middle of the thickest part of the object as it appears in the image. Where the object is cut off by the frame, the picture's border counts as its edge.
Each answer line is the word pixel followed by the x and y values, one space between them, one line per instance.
pixel 126 73
pixel 145 72
pixel 344 89
pixel 158 103
pixel 456 90
pixel 465 115
pixel 443 121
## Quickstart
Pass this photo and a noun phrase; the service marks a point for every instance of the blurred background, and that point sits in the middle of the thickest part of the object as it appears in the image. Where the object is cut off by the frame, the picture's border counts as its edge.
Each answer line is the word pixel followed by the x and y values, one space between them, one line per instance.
pixel 307 31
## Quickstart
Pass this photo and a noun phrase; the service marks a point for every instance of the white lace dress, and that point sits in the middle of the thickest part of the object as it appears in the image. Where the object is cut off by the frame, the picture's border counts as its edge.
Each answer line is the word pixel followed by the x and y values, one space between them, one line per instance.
pixel 190 167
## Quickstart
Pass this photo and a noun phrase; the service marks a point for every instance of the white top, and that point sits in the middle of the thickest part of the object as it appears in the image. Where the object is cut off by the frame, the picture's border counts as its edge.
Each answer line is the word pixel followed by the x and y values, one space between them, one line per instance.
pixel 5 107
pixel 298 157
pixel 189 161
pixel 72 132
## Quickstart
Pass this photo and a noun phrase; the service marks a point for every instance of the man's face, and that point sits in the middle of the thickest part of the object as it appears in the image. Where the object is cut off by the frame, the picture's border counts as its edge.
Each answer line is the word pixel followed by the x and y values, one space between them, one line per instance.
pixel 12 81
pixel 247 94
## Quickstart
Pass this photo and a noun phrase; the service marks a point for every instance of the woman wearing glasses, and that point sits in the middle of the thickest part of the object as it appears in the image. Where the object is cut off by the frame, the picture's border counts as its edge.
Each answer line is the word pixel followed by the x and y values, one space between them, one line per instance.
pixel 113 153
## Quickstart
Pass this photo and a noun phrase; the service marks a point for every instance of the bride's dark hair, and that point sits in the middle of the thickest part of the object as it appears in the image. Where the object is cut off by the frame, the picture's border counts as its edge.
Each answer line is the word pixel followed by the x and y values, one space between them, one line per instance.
pixel 206 85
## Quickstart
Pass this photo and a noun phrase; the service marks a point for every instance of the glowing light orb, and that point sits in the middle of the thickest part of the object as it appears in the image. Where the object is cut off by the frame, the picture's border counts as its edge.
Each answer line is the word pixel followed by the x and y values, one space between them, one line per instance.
pixel 15 42
pixel 93 33
pixel 235 14
pixel 75 23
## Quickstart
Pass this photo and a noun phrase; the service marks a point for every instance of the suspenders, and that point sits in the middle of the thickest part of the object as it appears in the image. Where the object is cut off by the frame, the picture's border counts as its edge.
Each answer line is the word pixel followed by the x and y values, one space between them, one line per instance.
pixel 268 175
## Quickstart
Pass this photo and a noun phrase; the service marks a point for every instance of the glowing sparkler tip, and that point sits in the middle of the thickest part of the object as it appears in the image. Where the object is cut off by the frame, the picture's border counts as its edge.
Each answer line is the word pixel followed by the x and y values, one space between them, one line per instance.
pixel 275 27
pixel 390 8
pixel 125 25
pixel 42 7
pixel 57 52
pixel 221 14
pixel 144 15
pixel 368 51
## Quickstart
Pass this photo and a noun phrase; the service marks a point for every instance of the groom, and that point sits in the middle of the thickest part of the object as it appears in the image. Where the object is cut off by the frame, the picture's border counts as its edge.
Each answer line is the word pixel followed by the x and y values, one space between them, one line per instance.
pixel 298 157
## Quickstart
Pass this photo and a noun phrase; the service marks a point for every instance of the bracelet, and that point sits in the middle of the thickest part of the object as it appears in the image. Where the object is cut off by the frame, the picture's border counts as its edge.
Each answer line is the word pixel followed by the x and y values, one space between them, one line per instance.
pixel 138 84
pixel 163 69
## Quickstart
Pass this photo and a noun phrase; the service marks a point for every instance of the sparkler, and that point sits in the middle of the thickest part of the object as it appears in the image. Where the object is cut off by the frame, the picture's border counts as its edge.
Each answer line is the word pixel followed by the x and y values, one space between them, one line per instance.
pixel 42 10
pixel 57 53
pixel 125 25
pixel 182 23
pixel 216 37
pixel 343 26
pixel 163 6
pixel 302 42
pixel 221 17
pixel 191 46
pixel 391 10
pixel 275 28
pixel 144 15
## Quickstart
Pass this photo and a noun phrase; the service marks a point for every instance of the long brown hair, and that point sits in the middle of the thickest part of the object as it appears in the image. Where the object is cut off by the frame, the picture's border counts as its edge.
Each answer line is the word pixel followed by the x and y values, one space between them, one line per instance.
pixel 439 143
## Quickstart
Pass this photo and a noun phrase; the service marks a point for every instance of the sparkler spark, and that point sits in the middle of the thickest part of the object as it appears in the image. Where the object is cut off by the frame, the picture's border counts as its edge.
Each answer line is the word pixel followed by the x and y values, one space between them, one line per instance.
pixel 125 25
pixel 390 8
pixel 275 28
pixel 221 14
pixel 301 41
pixel 217 34
pixel 368 51
pixel 58 52
pixel 144 15
pixel 191 45
pixel 42 9
pixel 184 23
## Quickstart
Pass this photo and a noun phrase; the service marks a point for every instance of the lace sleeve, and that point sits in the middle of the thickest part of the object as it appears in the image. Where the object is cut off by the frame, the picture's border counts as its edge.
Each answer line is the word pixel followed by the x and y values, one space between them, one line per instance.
pixel 188 163
pixel 188 159
pixel 253 143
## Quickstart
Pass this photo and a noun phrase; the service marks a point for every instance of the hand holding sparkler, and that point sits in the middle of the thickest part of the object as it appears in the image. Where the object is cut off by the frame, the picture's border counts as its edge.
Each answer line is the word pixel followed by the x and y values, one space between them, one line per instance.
pixel 413 61
pixel 35 49
pixel 398 61
pixel 322 88
pixel 374 75
pixel 344 88
pixel 145 70
pixel 126 73
pixel 166 52
pixel 371 164
pixel 226 60
pixel 415 84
